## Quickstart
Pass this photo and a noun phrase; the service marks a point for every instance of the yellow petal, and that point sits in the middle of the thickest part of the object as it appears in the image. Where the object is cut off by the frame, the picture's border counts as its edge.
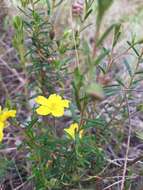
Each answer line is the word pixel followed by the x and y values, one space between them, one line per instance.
pixel 43 110
pixel 1 125
pixel 53 105
pixel 7 114
pixel 66 103
pixel 1 135
pixel 41 100
pixel 0 109
pixel 72 130
pixel 54 98
pixel 11 113
pixel 70 133
pixel 81 134
pixel 58 112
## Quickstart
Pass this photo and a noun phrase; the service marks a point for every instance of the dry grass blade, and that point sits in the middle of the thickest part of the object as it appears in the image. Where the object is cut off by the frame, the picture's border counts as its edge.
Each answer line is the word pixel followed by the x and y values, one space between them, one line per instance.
pixel 128 144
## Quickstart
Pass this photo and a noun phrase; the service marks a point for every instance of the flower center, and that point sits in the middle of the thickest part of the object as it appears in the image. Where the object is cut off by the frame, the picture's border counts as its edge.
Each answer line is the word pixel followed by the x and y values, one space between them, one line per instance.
pixel 53 105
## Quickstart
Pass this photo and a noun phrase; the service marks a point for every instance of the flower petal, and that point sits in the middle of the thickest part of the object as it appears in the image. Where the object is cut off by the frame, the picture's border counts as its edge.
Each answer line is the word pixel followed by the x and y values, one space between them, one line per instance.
pixel 54 105
pixel 66 103
pixel 1 125
pixel 54 98
pixel 58 112
pixel 72 130
pixel 11 113
pixel 43 110
pixel 7 114
pixel 41 100
pixel 81 133
pixel 1 134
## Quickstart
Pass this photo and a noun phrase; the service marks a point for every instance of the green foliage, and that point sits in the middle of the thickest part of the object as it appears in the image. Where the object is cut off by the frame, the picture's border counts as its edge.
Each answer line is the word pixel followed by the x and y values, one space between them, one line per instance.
pixel 24 3
pixel 103 6
pixel 56 163
pixel 117 34
pixel 59 162
pixel 18 40
pixel 4 166
pixel 105 34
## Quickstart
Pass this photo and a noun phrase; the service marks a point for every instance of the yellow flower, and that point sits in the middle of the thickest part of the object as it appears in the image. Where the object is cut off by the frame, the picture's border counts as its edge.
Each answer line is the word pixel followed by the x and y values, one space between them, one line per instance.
pixel 1 134
pixel 4 115
pixel 1 125
pixel 73 130
pixel 53 105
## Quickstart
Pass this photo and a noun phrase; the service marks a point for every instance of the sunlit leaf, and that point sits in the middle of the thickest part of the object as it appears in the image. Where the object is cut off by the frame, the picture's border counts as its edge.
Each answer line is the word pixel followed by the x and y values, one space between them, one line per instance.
pixel 95 90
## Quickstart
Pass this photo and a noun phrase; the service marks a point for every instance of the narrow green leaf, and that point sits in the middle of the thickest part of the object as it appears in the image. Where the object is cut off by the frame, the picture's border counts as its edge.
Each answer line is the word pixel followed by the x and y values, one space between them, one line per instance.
pixel 128 67
pixel 100 57
pixel 120 81
pixel 133 48
pixel 117 33
pixel 105 34
pixel 139 72
pixel 49 7
pixel 87 14
pixel 95 89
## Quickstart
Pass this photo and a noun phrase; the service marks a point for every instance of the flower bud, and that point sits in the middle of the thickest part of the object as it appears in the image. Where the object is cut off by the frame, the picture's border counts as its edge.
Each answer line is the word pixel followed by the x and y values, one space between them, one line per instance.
pixel 77 8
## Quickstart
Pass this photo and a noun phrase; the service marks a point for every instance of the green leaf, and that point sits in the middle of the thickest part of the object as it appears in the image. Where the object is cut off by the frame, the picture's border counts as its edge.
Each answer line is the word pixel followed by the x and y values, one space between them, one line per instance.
pixel 78 78
pixel 88 4
pixel 117 34
pixel 87 14
pixel 60 1
pixel 128 67
pixel 140 41
pixel 18 23
pixel 77 84
pixel 31 123
pixel 135 82
pixel 49 7
pixel 102 69
pixel 105 34
pixel 139 72
pixel 95 90
pixel 60 63
pixel 139 135
pixel 100 57
pixel 120 82
pixel 97 123
pixel 86 48
pixel 133 48
pixel 112 90
pixel 140 107
pixel 24 3
pixel 103 6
